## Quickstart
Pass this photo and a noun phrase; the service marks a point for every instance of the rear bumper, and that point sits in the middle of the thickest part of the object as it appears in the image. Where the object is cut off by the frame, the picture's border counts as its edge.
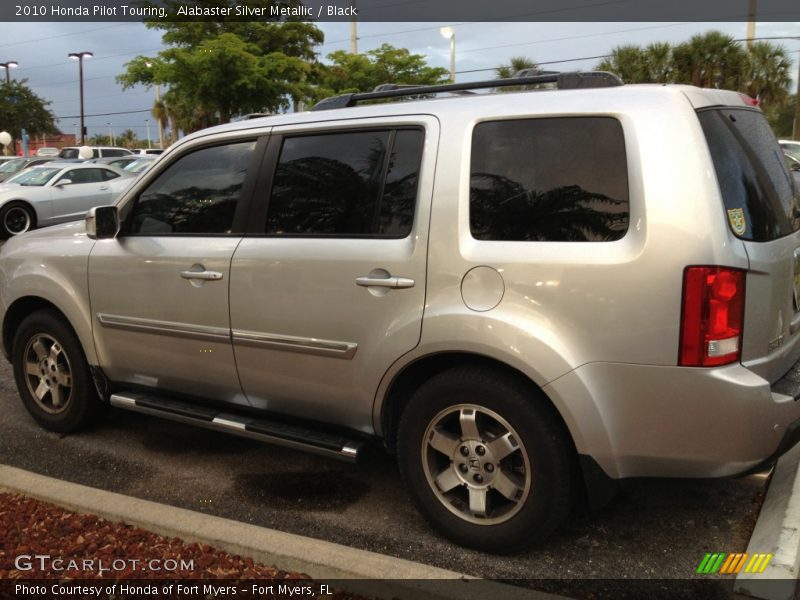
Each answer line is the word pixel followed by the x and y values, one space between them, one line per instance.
pixel 651 421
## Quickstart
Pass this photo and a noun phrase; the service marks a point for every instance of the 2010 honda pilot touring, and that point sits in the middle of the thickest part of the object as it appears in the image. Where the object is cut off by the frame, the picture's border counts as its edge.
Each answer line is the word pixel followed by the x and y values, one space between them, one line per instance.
pixel 522 294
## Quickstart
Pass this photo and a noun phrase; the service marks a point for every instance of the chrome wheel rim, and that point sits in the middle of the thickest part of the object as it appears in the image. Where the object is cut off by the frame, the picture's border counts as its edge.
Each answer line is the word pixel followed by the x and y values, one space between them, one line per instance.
pixel 48 373
pixel 17 220
pixel 476 464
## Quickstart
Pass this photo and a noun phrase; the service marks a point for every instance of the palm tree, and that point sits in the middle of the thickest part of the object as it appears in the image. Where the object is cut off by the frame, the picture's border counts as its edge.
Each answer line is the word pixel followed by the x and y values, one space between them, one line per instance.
pixel 710 60
pixel 767 74
pixel 628 61
pixel 128 139
pixel 515 65
pixel 160 114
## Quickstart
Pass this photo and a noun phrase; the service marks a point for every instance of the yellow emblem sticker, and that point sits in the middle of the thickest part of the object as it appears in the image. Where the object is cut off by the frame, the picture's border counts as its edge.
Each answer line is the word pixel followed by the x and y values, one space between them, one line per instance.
pixel 736 219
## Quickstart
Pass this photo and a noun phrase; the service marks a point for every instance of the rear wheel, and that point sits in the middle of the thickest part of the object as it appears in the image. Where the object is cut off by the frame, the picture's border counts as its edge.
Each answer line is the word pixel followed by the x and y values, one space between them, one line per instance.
pixel 52 374
pixel 487 459
pixel 16 218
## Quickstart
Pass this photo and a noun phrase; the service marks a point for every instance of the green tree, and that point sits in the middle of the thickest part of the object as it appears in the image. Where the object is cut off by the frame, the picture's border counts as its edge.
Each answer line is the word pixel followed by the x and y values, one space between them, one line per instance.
pixel 710 60
pixel 363 72
pixel 128 139
pixel 21 109
pixel 215 70
pixel 515 65
pixel 767 73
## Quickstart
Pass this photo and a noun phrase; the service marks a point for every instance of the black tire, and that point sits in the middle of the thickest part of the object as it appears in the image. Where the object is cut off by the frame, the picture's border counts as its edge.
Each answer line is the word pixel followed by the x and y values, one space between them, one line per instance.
pixel 56 368
pixel 518 438
pixel 15 218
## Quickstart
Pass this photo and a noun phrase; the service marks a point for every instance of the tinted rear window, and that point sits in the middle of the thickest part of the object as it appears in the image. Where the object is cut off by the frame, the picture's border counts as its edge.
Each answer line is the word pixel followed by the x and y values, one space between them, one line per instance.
pixel 760 197
pixel 555 179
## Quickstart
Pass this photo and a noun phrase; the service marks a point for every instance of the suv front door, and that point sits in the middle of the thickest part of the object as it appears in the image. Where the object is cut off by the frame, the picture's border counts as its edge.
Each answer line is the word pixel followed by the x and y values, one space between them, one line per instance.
pixel 328 287
pixel 159 291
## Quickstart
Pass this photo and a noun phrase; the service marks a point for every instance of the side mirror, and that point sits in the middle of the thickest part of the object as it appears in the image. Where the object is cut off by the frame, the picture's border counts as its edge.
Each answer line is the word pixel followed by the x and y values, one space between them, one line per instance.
pixel 102 222
pixel 62 182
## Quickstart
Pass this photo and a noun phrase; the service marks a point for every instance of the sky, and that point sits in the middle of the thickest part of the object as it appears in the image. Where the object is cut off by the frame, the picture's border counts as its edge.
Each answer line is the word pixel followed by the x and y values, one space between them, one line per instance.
pixel 41 50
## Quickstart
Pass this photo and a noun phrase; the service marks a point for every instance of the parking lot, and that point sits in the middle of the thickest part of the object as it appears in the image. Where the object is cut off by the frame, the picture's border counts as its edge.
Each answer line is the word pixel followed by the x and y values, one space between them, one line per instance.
pixel 656 529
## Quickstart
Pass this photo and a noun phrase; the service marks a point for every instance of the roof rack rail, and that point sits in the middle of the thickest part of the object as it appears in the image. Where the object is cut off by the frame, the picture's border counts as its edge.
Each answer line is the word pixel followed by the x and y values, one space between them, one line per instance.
pixel 563 81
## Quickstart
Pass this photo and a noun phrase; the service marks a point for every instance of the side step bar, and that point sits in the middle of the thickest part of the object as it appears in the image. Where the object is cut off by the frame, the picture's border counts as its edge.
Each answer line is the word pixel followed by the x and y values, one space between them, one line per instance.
pixel 262 430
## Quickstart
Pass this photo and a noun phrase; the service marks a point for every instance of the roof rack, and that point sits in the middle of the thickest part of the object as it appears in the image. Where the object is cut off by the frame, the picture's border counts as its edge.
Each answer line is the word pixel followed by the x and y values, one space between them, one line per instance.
pixel 563 81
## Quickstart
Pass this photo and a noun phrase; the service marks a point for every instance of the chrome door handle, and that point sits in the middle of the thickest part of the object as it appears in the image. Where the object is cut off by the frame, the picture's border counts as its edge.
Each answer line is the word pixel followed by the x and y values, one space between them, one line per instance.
pixel 204 275
pixel 103 188
pixel 390 282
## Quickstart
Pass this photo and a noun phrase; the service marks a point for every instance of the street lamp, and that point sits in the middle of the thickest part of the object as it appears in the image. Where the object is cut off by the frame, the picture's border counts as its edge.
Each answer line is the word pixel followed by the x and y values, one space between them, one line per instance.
pixel 110 134
pixel 12 64
pixel 449 32
pixel 147 124
pixel 79 56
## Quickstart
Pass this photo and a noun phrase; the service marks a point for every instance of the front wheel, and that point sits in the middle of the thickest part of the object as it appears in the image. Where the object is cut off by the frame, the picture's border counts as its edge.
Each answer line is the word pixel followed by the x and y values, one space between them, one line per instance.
pixel 52 374
pixel 487 459
pixel 16 218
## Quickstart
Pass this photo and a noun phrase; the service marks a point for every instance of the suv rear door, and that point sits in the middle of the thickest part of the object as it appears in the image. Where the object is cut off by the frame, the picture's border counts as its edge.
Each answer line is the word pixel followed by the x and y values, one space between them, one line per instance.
pixel 328 287
pixel 762 206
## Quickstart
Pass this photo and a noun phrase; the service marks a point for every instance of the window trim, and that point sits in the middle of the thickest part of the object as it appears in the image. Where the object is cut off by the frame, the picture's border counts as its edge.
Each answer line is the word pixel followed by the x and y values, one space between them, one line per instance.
pixel 269 166
pixel 243 208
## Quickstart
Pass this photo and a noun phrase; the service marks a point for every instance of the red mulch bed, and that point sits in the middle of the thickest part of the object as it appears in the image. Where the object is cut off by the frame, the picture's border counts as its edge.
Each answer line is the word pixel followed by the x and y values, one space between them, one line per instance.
pixel 29 527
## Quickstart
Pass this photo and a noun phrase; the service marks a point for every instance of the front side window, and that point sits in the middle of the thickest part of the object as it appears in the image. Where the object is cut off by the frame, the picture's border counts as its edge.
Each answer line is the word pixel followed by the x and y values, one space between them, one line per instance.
pixel 359 183
pixel 197 194
pixel 554 179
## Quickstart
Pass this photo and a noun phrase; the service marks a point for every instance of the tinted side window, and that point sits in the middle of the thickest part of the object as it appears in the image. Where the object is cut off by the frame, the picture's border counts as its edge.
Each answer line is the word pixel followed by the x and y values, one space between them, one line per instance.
pixel 196 194
pixel 84 175
pixel 114 152
pixel 558 179
pixel 350 183
pixel 757 189
pixel 108 175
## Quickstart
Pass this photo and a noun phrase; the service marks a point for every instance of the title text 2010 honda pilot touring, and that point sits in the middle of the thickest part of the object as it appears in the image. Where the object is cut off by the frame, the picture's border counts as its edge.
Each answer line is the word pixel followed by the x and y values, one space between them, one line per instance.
pixel 522 294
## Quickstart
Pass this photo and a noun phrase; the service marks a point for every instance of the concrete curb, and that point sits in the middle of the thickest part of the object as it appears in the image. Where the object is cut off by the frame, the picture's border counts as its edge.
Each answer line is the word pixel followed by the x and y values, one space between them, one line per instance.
pixel 321 560
pixel 777 532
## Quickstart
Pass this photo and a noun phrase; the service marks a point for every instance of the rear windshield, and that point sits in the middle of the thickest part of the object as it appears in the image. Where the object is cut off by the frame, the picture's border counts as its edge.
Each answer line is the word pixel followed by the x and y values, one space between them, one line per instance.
pixel 761 199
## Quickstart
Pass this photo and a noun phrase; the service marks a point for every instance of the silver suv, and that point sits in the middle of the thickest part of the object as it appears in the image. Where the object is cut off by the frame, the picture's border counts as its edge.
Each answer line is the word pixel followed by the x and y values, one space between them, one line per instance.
pixel 524 295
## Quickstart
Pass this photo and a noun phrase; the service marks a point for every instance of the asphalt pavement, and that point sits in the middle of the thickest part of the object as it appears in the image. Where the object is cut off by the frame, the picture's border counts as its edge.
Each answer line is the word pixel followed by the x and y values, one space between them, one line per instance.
pixel 655 529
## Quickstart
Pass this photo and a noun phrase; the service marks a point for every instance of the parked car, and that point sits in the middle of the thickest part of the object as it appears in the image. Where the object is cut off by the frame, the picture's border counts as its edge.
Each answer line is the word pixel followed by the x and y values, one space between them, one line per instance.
pixel 141 164
pixel 11 167
pixel 97 152
pixel 115 161
pixel 790 147
pixel 56 192
pixel 794 167
pixel 445 275
pixel 149 151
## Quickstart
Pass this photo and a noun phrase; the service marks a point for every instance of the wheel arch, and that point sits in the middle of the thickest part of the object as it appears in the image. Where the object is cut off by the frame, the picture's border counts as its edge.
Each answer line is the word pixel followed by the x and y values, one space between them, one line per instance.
pixel 412 375
pixel 27 305
pixel 598 487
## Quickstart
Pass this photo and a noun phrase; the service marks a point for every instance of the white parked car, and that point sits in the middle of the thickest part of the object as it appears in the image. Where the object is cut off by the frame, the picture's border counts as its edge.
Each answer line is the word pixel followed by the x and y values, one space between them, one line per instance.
pixel 57 192
pixel 791 147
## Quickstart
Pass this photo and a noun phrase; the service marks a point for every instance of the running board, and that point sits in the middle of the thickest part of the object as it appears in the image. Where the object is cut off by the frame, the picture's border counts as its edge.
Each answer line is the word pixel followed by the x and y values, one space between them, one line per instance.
pixel 271 432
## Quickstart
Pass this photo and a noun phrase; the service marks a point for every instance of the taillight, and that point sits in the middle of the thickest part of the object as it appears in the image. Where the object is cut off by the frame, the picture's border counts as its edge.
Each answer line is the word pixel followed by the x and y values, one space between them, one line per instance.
pixel 712 317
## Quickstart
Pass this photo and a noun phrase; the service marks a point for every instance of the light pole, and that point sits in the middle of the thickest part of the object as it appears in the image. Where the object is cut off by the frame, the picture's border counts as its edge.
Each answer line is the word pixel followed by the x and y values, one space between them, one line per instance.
pixel 79 56
pixel 12 64
pixel 147 124
pixel 110 135
pixel 158 101
pixel 449 32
